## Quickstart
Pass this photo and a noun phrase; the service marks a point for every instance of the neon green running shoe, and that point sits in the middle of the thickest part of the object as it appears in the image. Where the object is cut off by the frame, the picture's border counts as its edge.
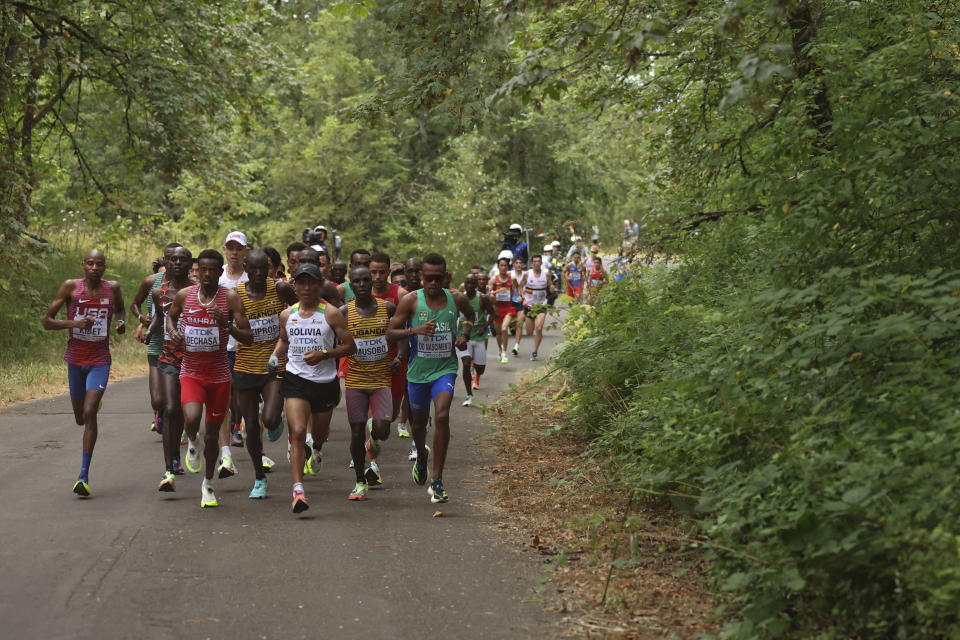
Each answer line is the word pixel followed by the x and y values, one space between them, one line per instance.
pixel 359 491
pixel 193 461
pixel 82 488
pixel 208 498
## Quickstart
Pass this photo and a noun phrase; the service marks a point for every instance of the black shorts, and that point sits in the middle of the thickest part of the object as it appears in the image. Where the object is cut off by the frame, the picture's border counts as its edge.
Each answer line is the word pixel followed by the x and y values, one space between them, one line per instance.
pixel 250 381
pixel 535 310
pixel 153 359
pixel 168 369
pixel 323 396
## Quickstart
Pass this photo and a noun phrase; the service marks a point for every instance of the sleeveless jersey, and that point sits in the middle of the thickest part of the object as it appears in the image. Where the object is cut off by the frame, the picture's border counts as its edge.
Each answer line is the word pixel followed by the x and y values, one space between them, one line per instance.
pixel 155 346
pixel 230 283
pixel 596 278
pixel 171 354
pixel 501 289
pixel 433 356
pixel 90 346
pixel 264 317
pixel 204 342
pixel 535 290
pixel 481 320
pixel 573 277
pixel 310 334
pixel 348 294
pixel 516 280
pixel 369 367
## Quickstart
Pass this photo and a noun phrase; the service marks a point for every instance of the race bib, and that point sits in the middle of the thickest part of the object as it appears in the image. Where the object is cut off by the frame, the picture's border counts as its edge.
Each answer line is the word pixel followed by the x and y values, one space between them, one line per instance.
pixel 596 283
pixel 300 346
pixel 199 339
pixel 267 328
pixel 439 345
pixel 536 296
pixel 371 349
pixel 502 295
pixel 98 332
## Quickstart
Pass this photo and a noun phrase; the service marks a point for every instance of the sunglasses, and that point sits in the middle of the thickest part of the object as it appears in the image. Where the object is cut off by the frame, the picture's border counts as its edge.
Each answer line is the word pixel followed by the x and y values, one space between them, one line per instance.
pixel 432 278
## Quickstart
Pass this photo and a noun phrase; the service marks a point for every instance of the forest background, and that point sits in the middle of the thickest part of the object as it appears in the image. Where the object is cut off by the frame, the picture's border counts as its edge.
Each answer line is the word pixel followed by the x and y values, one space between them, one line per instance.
pixel 790 379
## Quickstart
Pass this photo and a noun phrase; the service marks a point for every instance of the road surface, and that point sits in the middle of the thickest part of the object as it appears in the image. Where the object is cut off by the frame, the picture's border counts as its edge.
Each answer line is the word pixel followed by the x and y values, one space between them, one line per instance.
pixel 130 562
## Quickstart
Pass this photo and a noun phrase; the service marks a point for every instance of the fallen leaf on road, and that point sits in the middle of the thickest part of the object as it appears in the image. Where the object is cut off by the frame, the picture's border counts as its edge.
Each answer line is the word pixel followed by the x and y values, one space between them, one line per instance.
pixel 438 514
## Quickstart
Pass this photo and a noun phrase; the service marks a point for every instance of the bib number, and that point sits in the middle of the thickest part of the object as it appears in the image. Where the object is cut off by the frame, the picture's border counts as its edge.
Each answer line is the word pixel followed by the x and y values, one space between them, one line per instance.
pixel 96 333
pixel 264 329
pixel 201 339
pixel 370 349
pixel 502 295
pixel 439 345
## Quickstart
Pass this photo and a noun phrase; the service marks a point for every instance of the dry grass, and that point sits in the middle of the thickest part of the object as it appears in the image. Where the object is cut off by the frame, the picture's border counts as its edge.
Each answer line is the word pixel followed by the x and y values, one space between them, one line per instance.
pixel 610 572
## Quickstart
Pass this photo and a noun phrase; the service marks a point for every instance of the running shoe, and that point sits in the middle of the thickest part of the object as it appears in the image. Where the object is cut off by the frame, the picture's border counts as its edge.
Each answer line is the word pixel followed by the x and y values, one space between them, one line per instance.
pixel 242 426
pixel 178 469
pixel 476 381
pixel 299 502
pixel 226 467
pixel 402 431
pixel 359 491
pixel 315 462
pixel 267 463
pixel 503 358
pixel 413 451
pixel 351 465
pixel 420 468
pixel 82 488
pixel 533 356
pixel 236 438
pixel 274 434
pixel 516 349
pixel 468 402
pixel 437 492
pixel 259 490
pixel 183 438
pixel 156 419
pixel 194 461
pixel 373 448
pixel 166 485
pixel 372 474
pixel 208 498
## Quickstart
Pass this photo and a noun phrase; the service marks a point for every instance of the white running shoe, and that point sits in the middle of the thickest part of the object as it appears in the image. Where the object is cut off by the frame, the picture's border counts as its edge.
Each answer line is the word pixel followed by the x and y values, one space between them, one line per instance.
pixel 402 431
pixel 267 463
pixel 413 451
pixel 468 402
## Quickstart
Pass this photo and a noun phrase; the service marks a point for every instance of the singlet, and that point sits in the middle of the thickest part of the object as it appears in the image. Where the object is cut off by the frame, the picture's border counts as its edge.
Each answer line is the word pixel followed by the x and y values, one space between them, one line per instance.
pixel 347 293
pixel 535 290
pixel 264 317
pixel 501 289
pixel 596 278
pixel 204 342
pixel 481 318
pixel 171 354
pixel 433 356
pixel 573 275
pixel 230 283
pixel 516 279
pixel 155 346
pixel 369 367
pixel 90 346
pixel 310 334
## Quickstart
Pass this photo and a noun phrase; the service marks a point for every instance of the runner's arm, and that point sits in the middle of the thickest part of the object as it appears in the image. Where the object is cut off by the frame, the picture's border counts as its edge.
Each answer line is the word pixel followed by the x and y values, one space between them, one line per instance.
pixel 402 346
pixel 286 293
pixel 118 311
pixel 338 323
pixel 283 343
pixel 240 329
pixel 142 292
pixel 330 294
pixel 64 294
pixel 469 318
pixel 173 315
pixel 157 321
pixel 398 330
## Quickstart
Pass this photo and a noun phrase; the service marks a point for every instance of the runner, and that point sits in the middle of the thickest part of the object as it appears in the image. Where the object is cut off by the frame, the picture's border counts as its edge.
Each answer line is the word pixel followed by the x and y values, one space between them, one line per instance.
pixel 503 288
pixel 293 256
pixel 536 293
pixel 519 279
pixel 275 265
pixel 91 303
pixel 263 298
pixel 235 250
pixel 573 276
pixel 475 352
pixel 310 387
pixel 328 291
pixel 411 269
pixel 432 369
pixel 369 375
pixel 178 271
pixel 360 257
pixel 155 344
pixel 397 274
pixel 411 273
pixel 598 276
pixel 338 272
pixel 199 320
pixel 385 290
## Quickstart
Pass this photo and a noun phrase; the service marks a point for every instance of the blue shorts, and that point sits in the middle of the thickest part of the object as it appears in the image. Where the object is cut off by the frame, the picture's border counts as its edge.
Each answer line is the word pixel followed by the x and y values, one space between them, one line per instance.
pixel 421 393
pixel 87 377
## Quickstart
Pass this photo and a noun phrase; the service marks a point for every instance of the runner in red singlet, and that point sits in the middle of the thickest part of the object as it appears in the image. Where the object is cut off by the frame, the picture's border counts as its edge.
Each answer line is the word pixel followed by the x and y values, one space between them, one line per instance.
pixel 91 303
pixel 200 319
pixel 502 289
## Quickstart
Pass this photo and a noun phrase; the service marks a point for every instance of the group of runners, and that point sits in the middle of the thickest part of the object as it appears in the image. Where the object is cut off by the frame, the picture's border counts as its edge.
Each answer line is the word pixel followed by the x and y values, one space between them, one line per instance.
pixel 250 354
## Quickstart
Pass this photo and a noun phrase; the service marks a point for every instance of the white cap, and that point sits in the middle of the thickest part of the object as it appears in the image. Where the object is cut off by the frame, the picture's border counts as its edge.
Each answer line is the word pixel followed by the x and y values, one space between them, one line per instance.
pixel 516 227
pixel 506 253
pixel 547 247
pixel 319 227
pixel 555 244
pixel 236 236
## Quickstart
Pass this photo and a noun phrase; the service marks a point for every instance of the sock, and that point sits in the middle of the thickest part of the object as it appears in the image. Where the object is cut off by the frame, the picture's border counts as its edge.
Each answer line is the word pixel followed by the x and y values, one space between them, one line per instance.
pixel 195 443
pixel 208 483
pixel 85 465
pixel 170 467
pixel 225 451
pixel 298 486
pixel 175 463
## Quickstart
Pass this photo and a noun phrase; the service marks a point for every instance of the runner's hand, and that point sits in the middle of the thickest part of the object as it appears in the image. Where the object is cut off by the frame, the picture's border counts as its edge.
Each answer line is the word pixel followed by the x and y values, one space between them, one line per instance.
pixel 121 327
pixel 85 323
pixel 273 363
pixel 425 329
pixel 146 319
pixel 461 343
pixel 218 316
pixel 176 337
pixel 313 357
pixel 395 365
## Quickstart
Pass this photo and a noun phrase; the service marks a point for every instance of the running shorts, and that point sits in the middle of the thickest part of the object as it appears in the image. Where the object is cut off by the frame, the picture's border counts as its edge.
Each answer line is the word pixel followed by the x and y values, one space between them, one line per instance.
pixel 153 359
pixel 398 382
pixel 505 309
pixel 421 394
pixel 87 377
pixel 476 350
pixel 214 395
pixel 574 292
pixel 322 396
pixel 168 369
pixel 362 402
pixel 250 381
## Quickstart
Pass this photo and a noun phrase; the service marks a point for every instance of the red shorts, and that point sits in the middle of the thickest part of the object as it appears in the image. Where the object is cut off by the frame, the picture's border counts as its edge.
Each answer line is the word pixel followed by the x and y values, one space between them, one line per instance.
pixel 505 309
pixel 574 292
pixel 398 383
pixel 215 395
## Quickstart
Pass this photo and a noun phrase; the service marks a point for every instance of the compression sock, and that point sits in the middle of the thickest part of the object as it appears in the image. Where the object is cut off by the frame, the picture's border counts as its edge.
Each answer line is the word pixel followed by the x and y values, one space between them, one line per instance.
pixel 297 486
pixel 85 465
pixel 225 451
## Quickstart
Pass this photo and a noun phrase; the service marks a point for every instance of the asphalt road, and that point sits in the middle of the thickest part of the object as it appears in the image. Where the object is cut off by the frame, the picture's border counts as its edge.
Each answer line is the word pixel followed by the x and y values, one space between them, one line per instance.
pixel 130 562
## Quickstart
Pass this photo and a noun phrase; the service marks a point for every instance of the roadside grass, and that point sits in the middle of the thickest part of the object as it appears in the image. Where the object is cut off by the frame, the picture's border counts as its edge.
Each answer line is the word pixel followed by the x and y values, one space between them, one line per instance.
pixel 610 570
pixel 31 357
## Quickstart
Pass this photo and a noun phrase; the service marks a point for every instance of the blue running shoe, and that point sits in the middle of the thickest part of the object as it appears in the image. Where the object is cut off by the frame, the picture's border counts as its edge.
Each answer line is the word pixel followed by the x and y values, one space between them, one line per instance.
pixel 437 492
pixel 259 490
